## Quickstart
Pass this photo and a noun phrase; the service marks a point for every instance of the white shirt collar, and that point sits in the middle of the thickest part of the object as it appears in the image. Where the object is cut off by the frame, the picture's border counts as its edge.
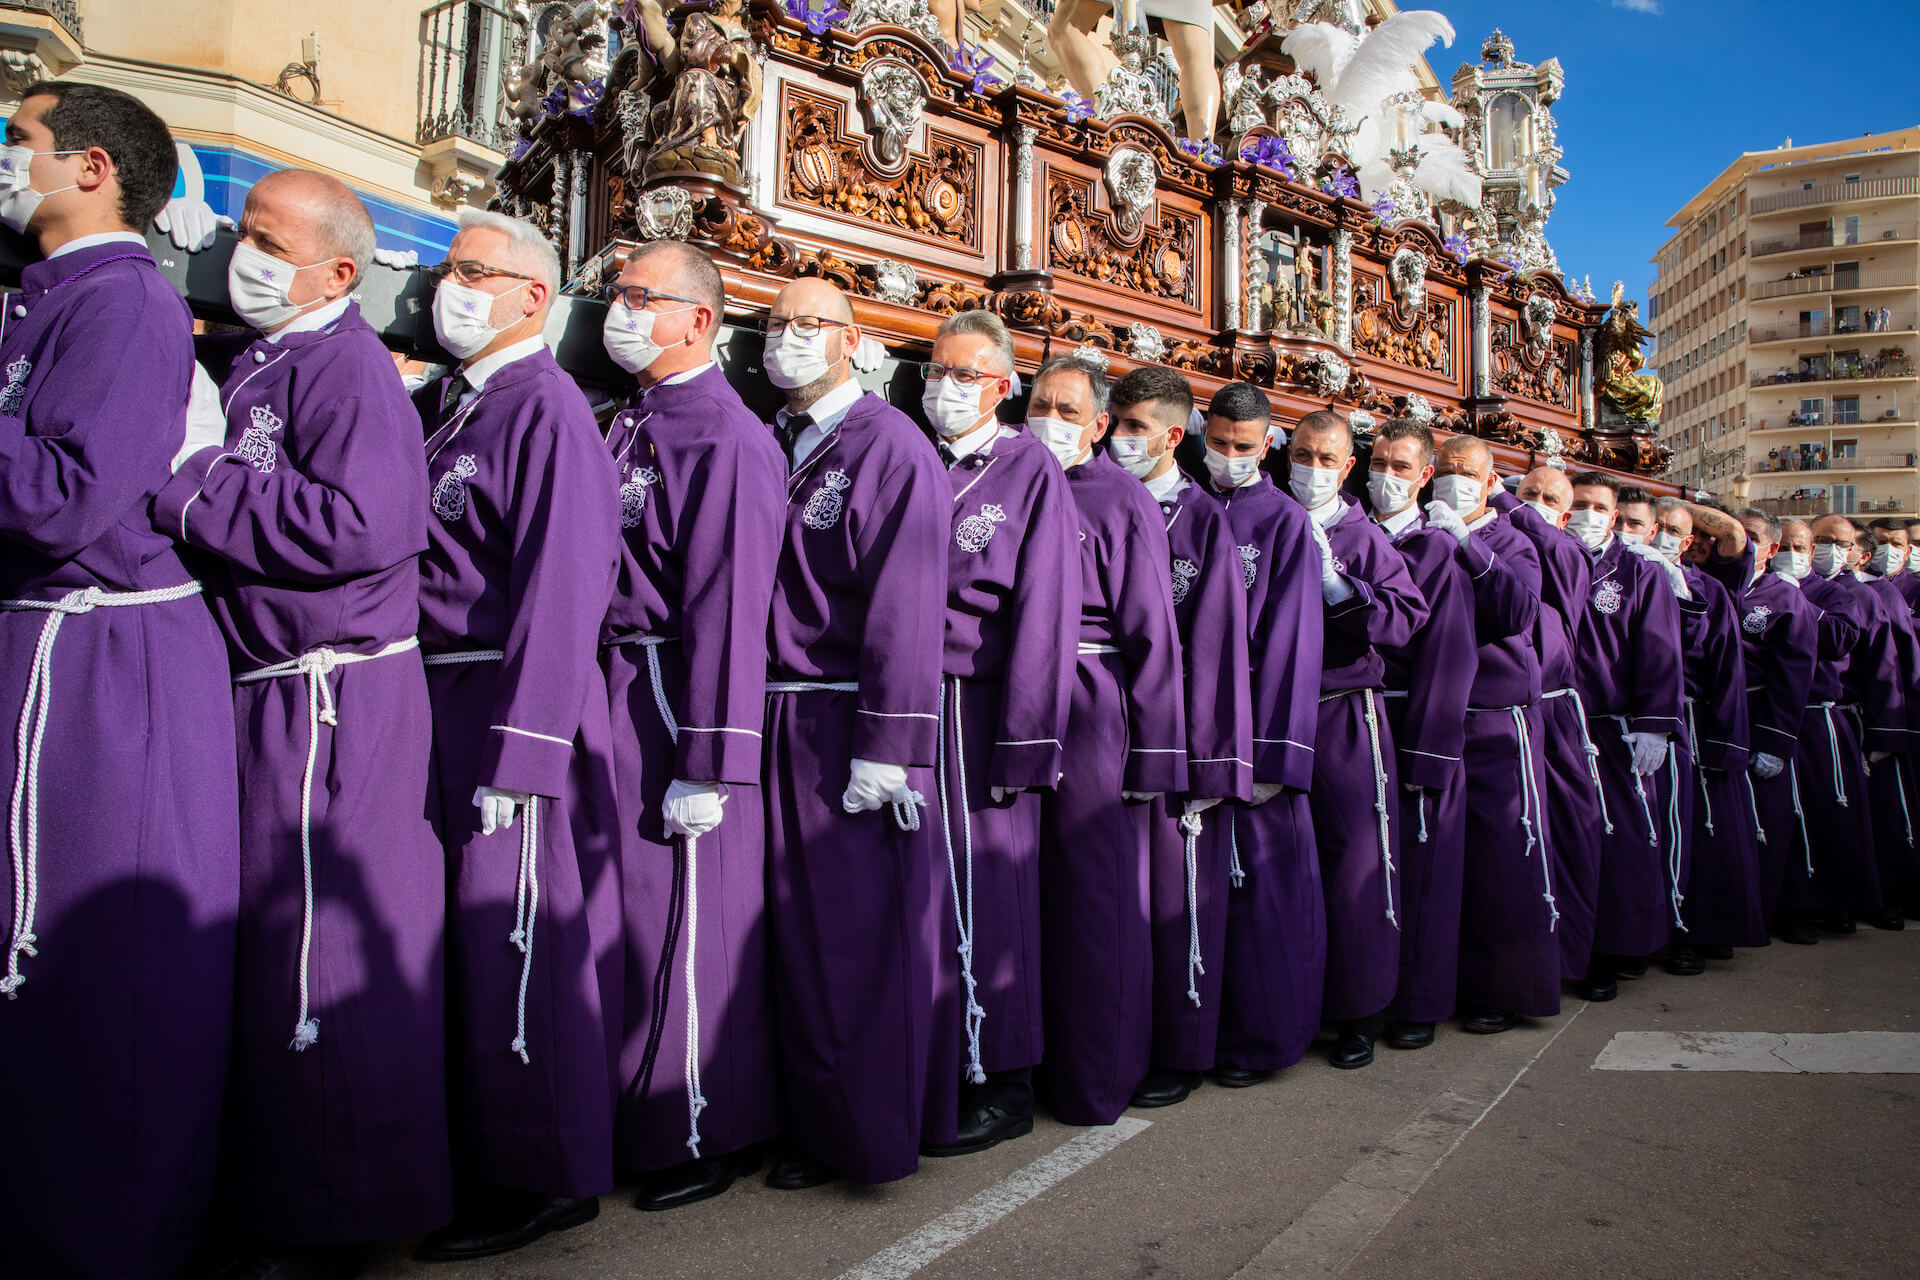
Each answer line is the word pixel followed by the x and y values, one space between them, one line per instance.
pixel 103 237
pixel 1165 488
pixel 1487 517
pixel 978 440
pixel 826 412
pixel 686 375
pixel 1401 520
pixel 1328 513
pixel 311 320
pixel 485 367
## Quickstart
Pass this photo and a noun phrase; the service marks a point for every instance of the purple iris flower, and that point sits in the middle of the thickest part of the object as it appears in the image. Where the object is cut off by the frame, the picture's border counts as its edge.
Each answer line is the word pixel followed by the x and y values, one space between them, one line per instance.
pixel 1459 246
pixel 1273 153
pixel 1078 108
pixel 1342 183
pixel 974 67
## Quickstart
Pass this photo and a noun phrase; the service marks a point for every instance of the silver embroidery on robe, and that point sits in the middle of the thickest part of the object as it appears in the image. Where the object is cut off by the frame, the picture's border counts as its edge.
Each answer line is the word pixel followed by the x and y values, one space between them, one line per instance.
pixel 1756 620
pixel 824 507
pixel 257 447
pixel 1184 572
pixel 1607 597
pixel 633 495
pixel 16 392
pixel 450 495
pixel 976 531
pixel 1249 560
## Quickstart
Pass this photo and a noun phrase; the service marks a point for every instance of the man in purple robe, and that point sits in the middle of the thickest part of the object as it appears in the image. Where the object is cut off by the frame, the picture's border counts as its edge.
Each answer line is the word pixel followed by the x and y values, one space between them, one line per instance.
pixel 1628 669
pixel 1191 872
pixel 1509 964
pixel 519 569
pixel 854 656
pixel 684 652
pixel 1575 817
pixel 1274 977
pixel 315 506
pixel 1428 679
pixel 1125 748
pixel 123 840
pixel 1013 608
pixel 1371 604
pixel 1891 786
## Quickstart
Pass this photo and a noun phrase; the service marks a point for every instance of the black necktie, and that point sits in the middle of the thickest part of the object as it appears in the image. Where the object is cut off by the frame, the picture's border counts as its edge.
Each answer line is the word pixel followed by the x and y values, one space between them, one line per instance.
pixel 790 431
pixel 947 455
pixel 457 386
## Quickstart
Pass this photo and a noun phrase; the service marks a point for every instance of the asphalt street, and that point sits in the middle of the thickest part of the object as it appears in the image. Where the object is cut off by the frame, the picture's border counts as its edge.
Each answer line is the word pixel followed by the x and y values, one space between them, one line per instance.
pixel 1493 1156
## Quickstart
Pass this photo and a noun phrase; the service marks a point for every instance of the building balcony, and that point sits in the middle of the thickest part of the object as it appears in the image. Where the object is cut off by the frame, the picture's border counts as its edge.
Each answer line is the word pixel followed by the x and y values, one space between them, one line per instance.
pixel 1835 193
pixel 1804 283
pixel 1792 461
pixel 1804 422
pixel 1859 369
pixel 1802 508
pixel 1759 337
pixel 465 48
pixel 1832 238
pixel 39 39
pixel 64 12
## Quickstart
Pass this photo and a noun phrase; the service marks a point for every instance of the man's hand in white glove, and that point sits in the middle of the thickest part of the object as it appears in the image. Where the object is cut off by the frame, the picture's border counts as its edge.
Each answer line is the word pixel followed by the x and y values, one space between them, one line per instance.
pixel 1003 794
pixel 1649 752
pixel 1764 766
pixel 872 785
pixel 1676 580
pixel 206 422
pixel 190 224
pixel 1412 786
pixel 1200 805
pixel 1265 791
pixel 692 808
pixel 1334 588
pixel 1442 516
pixel 1139 797
pixel 497 807
pixel 1875 757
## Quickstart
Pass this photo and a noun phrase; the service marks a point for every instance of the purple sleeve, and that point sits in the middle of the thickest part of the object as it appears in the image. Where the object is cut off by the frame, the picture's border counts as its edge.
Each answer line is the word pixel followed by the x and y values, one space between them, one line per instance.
pixel 1506 589
pixel 731 528
pixel 566 527
pixel 901 544
pixel 1732 572
pixel 1385 609
pixel 1219 715
pixel 1286 687
pixel 1043 649
pixel 1876 669
pixel 1786 674
pixel 1839 632
pixel 105 420
pixel 1149 641
pixel 1720 712
pixel 1659 681
pixel 1441 668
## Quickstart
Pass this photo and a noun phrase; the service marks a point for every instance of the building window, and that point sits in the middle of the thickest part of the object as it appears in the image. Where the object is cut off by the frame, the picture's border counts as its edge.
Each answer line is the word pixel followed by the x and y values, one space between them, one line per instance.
pixel 1846 409
pixel 1844 448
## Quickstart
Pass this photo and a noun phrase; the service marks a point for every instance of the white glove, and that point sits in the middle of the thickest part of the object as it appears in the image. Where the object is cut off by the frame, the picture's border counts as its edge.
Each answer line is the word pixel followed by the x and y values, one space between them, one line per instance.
pixel 398 259
pixel 1649 752
pixel 1764 766
pixel 1002 794
pixel 1676 580
pixel 1265 791
pixel 870 355
pixel 189 223
pixel 1443 517
pixel 1333 587
pixel 497 807
pixel 1412 786
pixel 872 785
pixel 692 808
pixel 1875 757
pixel 1200 805
pixel 1140 797
pixel 206 421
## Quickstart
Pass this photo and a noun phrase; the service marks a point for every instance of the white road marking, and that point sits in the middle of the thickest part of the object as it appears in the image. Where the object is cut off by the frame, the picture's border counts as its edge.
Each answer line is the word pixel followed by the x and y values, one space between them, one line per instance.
pixel 1334 1230
pixel 1857 1052
pixel 949 1230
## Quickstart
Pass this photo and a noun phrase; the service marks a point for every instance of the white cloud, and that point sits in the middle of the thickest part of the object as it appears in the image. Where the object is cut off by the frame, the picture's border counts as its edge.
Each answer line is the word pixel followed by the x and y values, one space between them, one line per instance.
pixel 1638 6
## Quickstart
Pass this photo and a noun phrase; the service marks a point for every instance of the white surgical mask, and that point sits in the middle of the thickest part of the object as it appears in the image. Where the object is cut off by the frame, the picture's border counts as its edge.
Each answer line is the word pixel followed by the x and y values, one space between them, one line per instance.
pixel 1134 455
pixel 1545 512
pixel 1590 526
pixel 1885 560
pixel 628 335
pixel 460 316
pixel 1462 493
pixel 1231 473
pixel 258 283
pixel 1794 564
pixel 951 409
pixel 1828 559
pixel 1636 539
pixel 1667 544
pixel 1314 487
pixel 18 199
pixel 1913 560
pixel 1061 438
pixel 1387 492
pixel 793 361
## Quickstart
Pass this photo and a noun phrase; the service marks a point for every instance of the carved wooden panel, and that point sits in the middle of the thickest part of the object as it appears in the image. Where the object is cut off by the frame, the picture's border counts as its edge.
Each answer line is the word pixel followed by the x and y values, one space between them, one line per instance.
pixel 1083 240
pixel 936 198
pixel 1538 366
pixel 1422 337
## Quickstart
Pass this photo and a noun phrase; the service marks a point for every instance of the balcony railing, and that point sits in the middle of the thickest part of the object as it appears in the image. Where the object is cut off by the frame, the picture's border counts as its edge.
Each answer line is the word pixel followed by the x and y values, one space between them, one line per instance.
pixel 1814 282
pixel 64 12
pixel 465 46
pixel 1811 240
pixel 1837 192
pixel 1840 369
pixel 1802 507
pixel 1796 461
pixel 1786 332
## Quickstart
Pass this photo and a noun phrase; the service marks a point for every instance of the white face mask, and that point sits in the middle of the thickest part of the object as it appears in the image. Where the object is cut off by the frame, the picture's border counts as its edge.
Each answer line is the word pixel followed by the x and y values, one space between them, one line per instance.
pixel 1667 544
pixel 951 409
pixel 1913 560
pixel 461 315
pixel 1388 493
pixel 258 284
pixel 628 335
pixel 1134 454
pixel 18 199
pixel 1828 559
pixel 793 361
pixel 1314 487
pixel 1545 512
pixel 1231 473
pixel 1462 493
pixel 1794 564
pixel 1590 526
pixel 1636 539
pixel 1886 560
pixel 1061 438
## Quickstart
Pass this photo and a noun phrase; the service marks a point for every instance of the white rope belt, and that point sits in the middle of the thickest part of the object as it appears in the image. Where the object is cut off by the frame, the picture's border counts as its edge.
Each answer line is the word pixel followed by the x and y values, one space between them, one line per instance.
pixel 1833 744
pixel 1234 870
pixel 463 656
pixel 1753 802
pixel 906 812
pixel 1097 648
pixel 1593 752
pixel 962 912
pixel 1639 784
pixel 1793 777
pixel 1380 801
pixel 1533 813
pixel 23 819
pixel 1699 770
pixel 1674 847
pixel 1190 825
pixel 1900 782
pixel 313 667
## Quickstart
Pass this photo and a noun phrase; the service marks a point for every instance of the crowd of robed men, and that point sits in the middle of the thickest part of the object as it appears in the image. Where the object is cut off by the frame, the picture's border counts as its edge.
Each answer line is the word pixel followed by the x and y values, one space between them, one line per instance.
pixel 657 796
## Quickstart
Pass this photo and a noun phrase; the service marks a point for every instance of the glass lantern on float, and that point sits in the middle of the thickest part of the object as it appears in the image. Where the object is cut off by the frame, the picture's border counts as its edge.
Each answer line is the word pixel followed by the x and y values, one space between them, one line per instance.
pixel 1510 131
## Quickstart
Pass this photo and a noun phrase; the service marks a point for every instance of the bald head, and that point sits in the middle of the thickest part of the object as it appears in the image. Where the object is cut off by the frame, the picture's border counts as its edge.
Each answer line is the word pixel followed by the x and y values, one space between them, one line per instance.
pixel 340 226
pixel 810 326
pixel 813 297
pixel 1548 486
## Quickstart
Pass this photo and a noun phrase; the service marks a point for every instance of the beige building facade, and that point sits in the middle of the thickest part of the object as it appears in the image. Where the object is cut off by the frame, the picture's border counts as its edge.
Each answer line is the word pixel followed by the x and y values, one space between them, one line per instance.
pixel 1786 306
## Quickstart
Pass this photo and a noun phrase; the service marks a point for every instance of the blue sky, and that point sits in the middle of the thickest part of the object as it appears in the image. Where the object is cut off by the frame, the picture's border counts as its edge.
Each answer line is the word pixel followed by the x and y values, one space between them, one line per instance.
pixel 1663 94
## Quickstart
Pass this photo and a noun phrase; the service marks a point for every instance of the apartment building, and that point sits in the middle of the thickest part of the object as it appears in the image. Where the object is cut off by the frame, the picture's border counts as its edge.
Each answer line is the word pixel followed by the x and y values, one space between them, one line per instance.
pixel 1786 306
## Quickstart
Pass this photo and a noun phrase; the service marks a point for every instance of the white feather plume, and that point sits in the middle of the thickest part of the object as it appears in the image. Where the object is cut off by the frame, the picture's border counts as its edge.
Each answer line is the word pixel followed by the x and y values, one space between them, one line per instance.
pixel 1446 171
pixel 1321 50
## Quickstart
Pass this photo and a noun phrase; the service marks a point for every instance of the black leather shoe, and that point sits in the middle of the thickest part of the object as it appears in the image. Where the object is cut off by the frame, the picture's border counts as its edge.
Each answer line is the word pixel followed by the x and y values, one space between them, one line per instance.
pixel 291 1264
pixel 1888 920
pixel 1795 927
pixel 1490 1022
pixel 1352 1051
pixel 1685 962
pixel 696 1180
pixel 1165 1087
pixel 1715 953
pixel 1240 1077
pixel 505 1221
pixel 981 1127
pixel 1629 966
pixel 1599 992
pixel 796 1172
pixel 1840 922
pixel 1409 1035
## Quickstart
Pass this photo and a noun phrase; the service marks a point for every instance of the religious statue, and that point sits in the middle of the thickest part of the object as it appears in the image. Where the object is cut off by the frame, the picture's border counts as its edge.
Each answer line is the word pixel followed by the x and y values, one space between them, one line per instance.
pixel 1636 395
pixel 1189 29
pixel 712 88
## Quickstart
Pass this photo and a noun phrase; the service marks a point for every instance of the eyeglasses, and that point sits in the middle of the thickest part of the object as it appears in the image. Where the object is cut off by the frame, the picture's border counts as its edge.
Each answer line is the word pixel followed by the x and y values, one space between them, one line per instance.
pixel 1832 542
pixel 962 377
pixel 471 271
pixel 637 298
pixel 805 326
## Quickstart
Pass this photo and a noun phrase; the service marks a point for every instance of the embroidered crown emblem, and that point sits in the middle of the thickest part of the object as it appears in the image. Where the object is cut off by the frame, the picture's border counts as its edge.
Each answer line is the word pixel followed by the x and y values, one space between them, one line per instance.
pixel 256 446
pixel 1184 572
pixel 1249 561
pixel 1756 620
pixel 633 495
pixel 16 391
pixel 824 507
pixel 450 495
pixel 976 531
pixel 1607 597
